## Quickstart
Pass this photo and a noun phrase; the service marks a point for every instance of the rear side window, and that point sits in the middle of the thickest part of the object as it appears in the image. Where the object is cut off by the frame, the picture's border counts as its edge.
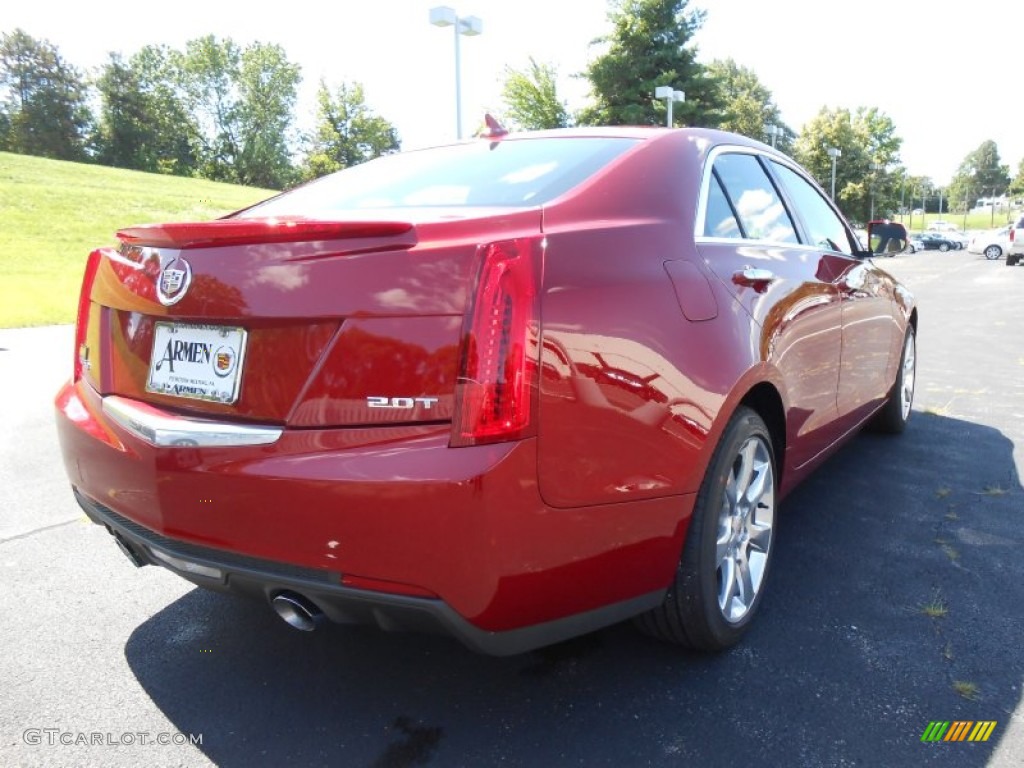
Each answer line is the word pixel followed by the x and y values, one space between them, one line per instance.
pixel 758 206
pixel 719 221
pixel 824 227
pixel 524 172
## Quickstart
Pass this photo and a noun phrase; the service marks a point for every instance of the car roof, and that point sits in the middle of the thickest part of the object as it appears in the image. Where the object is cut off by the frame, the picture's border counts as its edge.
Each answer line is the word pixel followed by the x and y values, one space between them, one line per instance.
pixel 644 132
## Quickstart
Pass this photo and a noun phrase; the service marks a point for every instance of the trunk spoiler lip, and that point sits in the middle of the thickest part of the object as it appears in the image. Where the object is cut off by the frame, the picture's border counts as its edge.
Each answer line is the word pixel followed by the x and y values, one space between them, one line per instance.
pixel 252 231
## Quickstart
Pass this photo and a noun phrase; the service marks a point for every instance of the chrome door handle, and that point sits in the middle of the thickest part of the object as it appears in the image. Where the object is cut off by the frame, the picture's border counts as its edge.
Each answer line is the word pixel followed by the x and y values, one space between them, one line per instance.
pixel 753 277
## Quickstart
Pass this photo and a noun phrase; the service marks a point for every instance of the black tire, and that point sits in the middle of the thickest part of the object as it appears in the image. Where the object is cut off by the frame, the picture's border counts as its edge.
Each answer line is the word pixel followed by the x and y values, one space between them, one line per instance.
pixel 1011 260
pixel 722 540
pixel 993 252
pixel 894 415
pixel 943 247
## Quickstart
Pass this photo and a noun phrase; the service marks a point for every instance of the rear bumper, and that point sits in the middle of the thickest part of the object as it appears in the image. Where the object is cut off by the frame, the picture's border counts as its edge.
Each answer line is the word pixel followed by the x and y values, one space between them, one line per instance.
pixel 387 526
pixel 251 577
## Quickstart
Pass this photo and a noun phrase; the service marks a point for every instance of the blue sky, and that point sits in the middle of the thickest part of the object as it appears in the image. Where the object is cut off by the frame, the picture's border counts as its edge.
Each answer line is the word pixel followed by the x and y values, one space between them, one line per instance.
pixel 948 79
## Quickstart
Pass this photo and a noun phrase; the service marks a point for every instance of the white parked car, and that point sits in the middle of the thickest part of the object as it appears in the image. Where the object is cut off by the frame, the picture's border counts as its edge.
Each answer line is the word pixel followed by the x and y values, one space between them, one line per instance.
pixel 1015 250
pixel 992 243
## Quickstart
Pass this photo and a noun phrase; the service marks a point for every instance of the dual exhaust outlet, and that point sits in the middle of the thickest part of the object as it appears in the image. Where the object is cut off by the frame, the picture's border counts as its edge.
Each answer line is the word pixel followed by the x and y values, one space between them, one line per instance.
pixel 294 609
pixel 297 611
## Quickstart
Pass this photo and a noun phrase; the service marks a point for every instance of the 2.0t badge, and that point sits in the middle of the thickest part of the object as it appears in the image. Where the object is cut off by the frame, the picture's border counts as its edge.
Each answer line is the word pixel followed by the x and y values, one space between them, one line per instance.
pixel 175 278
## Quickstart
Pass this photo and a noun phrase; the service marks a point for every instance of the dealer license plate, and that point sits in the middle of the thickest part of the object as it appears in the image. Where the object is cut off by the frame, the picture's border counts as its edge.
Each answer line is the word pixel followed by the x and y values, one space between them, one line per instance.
pixel 201 362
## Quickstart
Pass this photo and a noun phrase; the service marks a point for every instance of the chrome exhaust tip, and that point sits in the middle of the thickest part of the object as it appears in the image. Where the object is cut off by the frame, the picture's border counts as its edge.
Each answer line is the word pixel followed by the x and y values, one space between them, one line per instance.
pixel 297 611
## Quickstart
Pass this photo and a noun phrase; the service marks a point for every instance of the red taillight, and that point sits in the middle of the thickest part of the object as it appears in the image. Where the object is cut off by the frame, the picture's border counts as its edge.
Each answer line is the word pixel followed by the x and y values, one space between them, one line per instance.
pixel 92 266
pixel 1012 233
pixel 497 376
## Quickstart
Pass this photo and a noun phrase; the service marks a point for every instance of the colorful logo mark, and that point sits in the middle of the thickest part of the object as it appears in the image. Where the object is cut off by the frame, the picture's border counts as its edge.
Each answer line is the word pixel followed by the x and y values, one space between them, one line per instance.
pixel 958 730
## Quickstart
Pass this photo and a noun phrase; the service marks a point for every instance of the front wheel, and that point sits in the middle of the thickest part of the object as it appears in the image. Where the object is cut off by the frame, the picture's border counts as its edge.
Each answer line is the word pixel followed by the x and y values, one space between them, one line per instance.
pixel 720 579
pixel 896 412
pixel 943 247
pixel 993 252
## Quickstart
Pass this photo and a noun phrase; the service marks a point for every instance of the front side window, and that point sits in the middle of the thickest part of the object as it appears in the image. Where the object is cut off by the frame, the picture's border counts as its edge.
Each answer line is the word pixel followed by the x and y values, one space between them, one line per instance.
pixel 824 227
pixel 757 204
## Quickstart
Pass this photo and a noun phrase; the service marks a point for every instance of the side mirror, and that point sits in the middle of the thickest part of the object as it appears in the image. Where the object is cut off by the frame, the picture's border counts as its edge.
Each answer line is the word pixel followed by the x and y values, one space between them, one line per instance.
pixel 887 237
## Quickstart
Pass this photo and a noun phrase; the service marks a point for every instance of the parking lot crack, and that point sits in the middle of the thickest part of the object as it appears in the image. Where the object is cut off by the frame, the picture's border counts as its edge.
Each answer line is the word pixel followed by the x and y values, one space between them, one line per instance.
pixel 34 531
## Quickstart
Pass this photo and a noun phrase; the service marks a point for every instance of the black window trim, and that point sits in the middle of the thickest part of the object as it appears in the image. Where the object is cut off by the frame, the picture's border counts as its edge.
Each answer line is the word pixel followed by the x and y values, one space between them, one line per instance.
pixel 732 207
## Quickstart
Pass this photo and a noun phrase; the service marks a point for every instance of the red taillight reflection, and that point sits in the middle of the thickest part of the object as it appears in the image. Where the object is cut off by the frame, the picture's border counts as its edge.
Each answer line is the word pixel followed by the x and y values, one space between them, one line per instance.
pixel 498 367
pixel 92 266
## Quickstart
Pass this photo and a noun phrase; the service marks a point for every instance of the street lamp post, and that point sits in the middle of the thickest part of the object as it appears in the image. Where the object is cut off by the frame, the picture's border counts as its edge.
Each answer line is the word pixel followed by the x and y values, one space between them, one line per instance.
pixel 774 131
pixel 875 168
pixel 834 152
pixel 968 172
pixel 470 26
pixel 670 96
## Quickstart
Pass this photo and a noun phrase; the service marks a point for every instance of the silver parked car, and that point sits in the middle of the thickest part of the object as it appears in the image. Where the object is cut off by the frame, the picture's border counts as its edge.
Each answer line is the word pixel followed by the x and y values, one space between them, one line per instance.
pixel 992 243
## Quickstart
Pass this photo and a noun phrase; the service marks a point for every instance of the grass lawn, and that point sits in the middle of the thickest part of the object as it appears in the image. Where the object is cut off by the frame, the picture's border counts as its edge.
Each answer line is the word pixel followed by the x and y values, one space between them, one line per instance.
pixel 983 220
pixel 52 213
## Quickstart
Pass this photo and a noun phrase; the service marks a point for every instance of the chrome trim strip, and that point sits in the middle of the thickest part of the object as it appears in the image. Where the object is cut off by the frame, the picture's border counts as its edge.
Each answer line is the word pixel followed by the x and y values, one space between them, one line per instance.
pixel 164 430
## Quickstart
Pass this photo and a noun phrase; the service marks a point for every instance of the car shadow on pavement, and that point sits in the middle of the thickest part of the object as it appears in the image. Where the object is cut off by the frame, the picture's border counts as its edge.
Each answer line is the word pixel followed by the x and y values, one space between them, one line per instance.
pixel 894 601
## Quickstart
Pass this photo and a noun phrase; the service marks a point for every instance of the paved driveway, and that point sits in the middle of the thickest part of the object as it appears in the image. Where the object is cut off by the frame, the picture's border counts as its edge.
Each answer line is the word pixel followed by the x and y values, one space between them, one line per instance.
pixel 845 666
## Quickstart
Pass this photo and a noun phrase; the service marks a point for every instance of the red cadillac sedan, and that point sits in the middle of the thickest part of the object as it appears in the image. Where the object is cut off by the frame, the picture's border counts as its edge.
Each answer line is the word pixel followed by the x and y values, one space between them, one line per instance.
pixel 512 390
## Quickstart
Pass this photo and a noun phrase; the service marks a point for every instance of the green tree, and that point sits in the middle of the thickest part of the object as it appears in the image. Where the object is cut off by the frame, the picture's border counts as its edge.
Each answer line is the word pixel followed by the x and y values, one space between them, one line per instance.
pixel 347 132
pixel 650 46
pixel 143 123
pixel 268 84
pixel 981 174
pixel 531 98
pixel 1016 187
pixel 44 99
pixel 242 101
pixel 865 138
pixel 750 108
pixel 124 132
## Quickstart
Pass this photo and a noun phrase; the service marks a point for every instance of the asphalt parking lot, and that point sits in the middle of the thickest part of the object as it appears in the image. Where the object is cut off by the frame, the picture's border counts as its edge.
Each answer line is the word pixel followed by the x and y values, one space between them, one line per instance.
pixel 895 601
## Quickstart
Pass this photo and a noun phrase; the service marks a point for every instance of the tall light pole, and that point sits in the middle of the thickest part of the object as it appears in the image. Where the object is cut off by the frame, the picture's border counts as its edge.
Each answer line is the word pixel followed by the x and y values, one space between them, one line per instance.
pixel 968 172
pixel 834 152
pixel 665 92
pixel 470 26
pixel 774 131
pixel 875 168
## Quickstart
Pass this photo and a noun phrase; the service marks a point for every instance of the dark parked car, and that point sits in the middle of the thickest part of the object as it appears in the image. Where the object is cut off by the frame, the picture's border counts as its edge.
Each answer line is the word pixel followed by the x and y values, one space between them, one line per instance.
pixel 931 241
pixel 513 390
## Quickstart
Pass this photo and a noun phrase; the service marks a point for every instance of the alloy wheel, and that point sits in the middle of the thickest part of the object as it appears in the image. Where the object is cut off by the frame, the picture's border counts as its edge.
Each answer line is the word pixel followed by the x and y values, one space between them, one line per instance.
pixel 745 525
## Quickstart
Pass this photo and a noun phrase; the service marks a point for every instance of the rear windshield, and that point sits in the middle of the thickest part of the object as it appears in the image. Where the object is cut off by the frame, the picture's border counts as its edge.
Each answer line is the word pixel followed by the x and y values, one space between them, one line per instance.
pixel 523 172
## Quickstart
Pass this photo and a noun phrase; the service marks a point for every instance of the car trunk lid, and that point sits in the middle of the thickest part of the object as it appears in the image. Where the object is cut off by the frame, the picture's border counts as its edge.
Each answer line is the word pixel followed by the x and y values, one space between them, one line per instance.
pixel 305 323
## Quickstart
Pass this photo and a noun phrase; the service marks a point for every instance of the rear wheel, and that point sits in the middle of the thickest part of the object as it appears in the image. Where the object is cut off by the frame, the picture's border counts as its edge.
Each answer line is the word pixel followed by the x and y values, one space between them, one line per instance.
pixel 720 578
pixel 993 252
pixel 1011 259
pixel 896 412
pixel 943 247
